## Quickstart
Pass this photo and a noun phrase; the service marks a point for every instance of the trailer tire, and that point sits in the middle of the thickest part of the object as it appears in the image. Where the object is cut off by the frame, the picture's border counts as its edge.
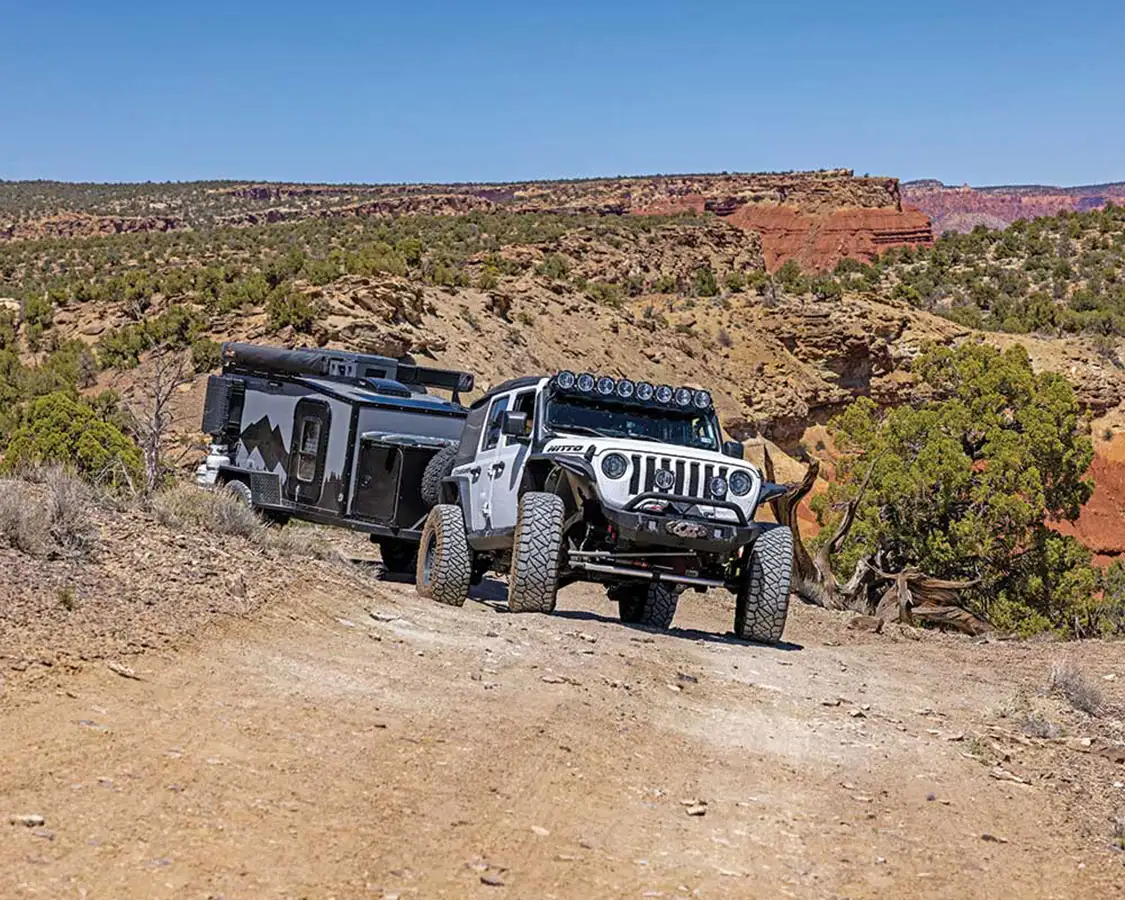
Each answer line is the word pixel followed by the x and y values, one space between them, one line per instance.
pixel 762 603
pixel 534 581
pixel 240 490
pixel 650 605
pixel 445 562
pixel 399 557
pixel 436 471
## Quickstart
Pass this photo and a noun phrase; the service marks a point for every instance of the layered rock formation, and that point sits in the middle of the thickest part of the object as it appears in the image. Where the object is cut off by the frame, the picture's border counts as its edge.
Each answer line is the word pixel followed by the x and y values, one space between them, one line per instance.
pixel 817 218
pixel 78 225
pixel 963 208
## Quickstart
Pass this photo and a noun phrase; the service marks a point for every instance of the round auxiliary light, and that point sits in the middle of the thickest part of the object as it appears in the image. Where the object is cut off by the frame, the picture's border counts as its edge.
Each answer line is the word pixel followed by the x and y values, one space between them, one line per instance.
pixel 566 380
pixel 585 382
pixel 702 400
pixel 615 465
pixel 645 391
pixel 664 479
pixel 740 483
pixel 717 487
pixel 606 385
pixel 664 394
pixel 626 389
pixel 683 396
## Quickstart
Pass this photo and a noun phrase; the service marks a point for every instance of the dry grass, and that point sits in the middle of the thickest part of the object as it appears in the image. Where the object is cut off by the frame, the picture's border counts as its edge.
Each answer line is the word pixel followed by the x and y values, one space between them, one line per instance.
pixel 1037 726
pixel 49 512
pixel 1067 680
pixel 1119 832
pixel 218 512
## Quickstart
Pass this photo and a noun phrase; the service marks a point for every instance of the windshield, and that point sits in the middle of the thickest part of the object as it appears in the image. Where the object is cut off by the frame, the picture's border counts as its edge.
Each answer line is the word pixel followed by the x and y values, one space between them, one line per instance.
pixel 690 428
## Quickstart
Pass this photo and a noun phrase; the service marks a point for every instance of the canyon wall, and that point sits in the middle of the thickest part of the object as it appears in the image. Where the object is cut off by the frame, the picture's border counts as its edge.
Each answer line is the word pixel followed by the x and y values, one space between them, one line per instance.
pixel 963 208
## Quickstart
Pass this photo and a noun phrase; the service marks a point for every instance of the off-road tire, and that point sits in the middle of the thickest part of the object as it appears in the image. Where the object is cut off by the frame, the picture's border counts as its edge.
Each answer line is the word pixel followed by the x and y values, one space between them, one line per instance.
pixel 536 548
pixel 437 469
pixel 445 562
pixel 240 490
pixel 763 596
pixel 650 605
pixel 399 557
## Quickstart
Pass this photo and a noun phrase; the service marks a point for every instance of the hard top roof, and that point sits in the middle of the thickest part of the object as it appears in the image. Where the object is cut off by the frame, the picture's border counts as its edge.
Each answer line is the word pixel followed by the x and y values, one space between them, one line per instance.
pixel 511 384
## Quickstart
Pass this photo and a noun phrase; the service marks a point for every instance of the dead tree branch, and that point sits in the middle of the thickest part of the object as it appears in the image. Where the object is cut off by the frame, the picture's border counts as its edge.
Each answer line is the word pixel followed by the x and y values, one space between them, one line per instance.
pixel 150 407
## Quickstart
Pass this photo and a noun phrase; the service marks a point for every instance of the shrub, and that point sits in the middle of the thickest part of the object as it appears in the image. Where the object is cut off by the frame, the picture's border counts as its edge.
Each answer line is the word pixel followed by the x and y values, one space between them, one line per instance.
pixel 52 517
pixel 289 307
pixel 703 282
pixel 23 521
pixel 554 267
pixel 789 276
pixel 185 506
pixel 1067 680
pixel 205 355
pixel 66 430
pixel 963 486
pixel 217 512
pixel 605 292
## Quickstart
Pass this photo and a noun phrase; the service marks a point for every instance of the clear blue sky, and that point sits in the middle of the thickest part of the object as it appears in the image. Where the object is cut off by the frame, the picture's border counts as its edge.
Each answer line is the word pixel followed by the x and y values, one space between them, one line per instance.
pixel 991 91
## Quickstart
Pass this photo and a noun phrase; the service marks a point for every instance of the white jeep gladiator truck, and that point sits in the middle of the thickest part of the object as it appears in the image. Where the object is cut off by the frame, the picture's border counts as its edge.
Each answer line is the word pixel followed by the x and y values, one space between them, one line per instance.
pixel 576 477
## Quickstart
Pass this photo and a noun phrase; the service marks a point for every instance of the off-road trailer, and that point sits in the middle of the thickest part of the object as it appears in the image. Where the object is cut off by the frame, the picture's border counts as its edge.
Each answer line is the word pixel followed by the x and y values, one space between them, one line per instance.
pixel 585 478
pixel 332 437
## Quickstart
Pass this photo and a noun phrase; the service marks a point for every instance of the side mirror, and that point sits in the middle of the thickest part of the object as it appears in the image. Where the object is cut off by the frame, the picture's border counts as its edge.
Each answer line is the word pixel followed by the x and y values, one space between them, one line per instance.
pixel 734 449
pixel 514 424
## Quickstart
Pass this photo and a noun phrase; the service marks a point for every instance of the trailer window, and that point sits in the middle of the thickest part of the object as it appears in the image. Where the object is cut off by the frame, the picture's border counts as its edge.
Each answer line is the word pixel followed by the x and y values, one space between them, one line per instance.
pixel 308 449
pixel 492 434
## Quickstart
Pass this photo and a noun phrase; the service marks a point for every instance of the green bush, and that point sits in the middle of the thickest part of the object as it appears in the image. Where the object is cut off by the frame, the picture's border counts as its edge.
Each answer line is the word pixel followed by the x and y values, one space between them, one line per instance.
pixel 289 307
pixel 964 486
pixel 66 430
pixel 205 355
pixel 703 282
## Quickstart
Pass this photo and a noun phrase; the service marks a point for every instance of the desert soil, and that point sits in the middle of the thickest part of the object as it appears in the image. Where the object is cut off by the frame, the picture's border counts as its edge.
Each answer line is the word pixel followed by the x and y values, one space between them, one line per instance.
pixel 335 743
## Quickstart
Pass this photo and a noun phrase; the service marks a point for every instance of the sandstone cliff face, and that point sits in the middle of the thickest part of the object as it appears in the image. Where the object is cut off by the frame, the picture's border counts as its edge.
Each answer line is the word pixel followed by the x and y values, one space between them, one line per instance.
pixel 964 208
pixel 820 240
pixel 817 218
pixel 77 225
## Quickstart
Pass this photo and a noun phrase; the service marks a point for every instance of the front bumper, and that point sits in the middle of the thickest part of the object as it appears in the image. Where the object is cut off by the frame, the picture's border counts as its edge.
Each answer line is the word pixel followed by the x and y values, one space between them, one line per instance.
pixel 674 529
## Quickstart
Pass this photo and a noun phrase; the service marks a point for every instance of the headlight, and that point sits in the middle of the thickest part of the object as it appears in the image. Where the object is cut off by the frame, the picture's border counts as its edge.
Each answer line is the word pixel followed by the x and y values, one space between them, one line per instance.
pixel 606 385
pixel 585 382
pixel 740 483
pixel 664 394
pixel 645 391
pixel 683 396
pixel 702 400
pixel 565 380
pixel 625 389
pixel 717 487
pixel 614 465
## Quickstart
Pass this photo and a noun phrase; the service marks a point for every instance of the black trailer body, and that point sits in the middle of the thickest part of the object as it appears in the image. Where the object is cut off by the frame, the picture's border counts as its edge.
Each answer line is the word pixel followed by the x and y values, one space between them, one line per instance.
pixel 329 436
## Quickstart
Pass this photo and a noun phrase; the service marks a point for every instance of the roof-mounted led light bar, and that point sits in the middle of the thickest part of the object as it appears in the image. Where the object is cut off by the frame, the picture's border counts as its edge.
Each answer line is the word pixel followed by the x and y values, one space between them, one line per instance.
pixel 623 389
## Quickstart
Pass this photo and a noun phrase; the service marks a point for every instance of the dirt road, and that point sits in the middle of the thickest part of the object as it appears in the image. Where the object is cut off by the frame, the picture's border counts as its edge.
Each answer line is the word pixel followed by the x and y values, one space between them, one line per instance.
pixel 335 746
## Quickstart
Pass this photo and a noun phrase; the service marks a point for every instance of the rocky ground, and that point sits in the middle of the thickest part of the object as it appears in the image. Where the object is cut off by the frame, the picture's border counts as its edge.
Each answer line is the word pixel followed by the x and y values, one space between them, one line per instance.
pixel 313 731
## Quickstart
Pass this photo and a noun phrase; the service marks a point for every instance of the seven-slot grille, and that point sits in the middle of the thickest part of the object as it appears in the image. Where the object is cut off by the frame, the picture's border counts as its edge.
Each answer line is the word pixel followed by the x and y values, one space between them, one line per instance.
pixel 692 478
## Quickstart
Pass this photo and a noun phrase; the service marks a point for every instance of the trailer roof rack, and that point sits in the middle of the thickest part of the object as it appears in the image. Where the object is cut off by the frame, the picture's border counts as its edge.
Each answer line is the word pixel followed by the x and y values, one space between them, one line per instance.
pixel 344 366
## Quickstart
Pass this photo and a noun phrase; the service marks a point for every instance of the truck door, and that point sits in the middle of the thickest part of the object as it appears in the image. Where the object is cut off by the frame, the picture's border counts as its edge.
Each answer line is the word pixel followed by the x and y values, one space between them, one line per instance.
pixel 484 467
pixel 506 471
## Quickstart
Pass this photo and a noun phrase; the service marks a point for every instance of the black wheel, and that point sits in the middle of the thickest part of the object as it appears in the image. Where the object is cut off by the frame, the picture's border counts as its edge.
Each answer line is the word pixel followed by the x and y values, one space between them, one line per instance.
pixel 438 468
pixel 651 605
pixel 399 557
pixel 536 548
pixel 445 562
pixel 763 596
